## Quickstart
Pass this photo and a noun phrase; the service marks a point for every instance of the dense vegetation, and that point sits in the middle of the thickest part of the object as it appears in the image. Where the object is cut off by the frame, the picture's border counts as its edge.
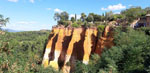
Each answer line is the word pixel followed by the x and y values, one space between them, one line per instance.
pixel 22 52
pixel 125 17
pixel 131 54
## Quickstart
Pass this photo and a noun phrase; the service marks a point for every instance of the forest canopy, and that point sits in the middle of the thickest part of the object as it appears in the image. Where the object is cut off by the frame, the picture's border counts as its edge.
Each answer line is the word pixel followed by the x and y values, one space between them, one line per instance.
pixel 92 19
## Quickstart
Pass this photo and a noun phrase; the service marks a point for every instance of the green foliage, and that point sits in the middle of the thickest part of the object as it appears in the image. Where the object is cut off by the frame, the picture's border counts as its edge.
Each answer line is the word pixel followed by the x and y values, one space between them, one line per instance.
pixel 145 29
pixel 83 17
pixel 73 19
pixel 87 24
pixel 109 16
pixel 97 23
pixel 3 21
pixel 22 52
pixel 63 16
pixel 133 13
pixel 131 54
pixel 126 17
pixel 100 29
pixel 118 16
pixel 90 18
pixel 79 22
pixel 75 25
pixel 65 23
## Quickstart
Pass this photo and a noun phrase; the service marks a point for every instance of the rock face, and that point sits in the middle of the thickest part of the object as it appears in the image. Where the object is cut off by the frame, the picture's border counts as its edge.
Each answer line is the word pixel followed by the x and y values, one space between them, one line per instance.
pixel 106 40
pixel 66 45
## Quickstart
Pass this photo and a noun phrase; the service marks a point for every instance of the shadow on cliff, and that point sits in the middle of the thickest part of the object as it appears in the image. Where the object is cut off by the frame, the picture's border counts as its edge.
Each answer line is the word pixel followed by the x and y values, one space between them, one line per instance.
pixel 65 45
pixel 45 44
pixel 51 55
pixel 78 51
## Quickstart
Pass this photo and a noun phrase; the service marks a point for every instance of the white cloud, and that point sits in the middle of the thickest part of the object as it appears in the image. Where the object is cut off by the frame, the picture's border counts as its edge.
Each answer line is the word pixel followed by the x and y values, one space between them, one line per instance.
pixel 114 7
pixel 49 8
pixel 13 0
pixel 58 10
pixel 130 5
pixel 116 12
pixel 73 15
pixel 26 22
pixel 103 8
pixel 32 1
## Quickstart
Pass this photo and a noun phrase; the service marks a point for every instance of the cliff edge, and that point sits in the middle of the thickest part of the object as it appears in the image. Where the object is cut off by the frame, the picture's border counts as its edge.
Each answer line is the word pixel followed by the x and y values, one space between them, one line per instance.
pixel 67 44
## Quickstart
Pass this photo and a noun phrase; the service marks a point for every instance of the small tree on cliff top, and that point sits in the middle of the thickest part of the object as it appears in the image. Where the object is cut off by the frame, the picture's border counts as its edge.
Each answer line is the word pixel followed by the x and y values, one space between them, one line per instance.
pixel 83 17
pixel 73 19
pixel 90 18
pixel 61 16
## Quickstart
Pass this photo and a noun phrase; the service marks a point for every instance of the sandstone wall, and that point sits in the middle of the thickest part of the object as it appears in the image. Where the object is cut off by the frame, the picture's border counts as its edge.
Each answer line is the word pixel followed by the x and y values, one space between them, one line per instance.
pixel 66 45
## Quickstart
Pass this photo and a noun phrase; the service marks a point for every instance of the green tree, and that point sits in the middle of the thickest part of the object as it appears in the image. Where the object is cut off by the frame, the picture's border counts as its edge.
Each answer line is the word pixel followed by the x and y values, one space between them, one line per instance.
pixel 83 17
pixel 118 16
pixel 147 9
pixel 90 18
pixel 57 17
pixel 97 17
pixel 3 21
pixel 61 16
pixel 64 16
pixel 109 16
pixel 133 13
pixel 73 19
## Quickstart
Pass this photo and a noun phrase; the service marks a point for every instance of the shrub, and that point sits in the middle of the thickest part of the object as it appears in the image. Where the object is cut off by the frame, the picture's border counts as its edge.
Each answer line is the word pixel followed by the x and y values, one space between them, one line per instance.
pixel 65 23
pixel 145 29
pixel 100 29
pixel 75 25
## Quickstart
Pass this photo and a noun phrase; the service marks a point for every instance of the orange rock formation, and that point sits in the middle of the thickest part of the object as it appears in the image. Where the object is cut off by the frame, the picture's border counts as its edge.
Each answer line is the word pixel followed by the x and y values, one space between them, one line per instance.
pixel 106 40
pixel 66 45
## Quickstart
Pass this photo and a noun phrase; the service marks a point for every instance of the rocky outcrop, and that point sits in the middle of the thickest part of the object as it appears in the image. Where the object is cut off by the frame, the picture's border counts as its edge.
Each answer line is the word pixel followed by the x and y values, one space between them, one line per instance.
pixel 66 45
pixel 106 40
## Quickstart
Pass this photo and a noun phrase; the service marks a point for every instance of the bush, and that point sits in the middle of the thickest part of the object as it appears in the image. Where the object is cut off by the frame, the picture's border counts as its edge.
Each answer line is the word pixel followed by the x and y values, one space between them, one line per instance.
pixel 145 29
pixel 75 25
pixel 65 23
pixel 100 29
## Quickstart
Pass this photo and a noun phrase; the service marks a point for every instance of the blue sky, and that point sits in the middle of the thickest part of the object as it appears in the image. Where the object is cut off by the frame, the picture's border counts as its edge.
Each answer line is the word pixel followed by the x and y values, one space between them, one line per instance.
pixel 31 15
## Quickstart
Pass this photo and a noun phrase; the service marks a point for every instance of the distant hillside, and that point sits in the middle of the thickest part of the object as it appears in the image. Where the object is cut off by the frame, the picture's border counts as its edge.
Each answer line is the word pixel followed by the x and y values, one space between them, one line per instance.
pixel 11 30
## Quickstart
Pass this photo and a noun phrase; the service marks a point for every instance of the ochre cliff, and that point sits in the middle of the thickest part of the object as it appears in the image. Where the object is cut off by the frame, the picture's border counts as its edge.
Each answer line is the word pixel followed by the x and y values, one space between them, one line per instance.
pixel 106 40
pixel 67 44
